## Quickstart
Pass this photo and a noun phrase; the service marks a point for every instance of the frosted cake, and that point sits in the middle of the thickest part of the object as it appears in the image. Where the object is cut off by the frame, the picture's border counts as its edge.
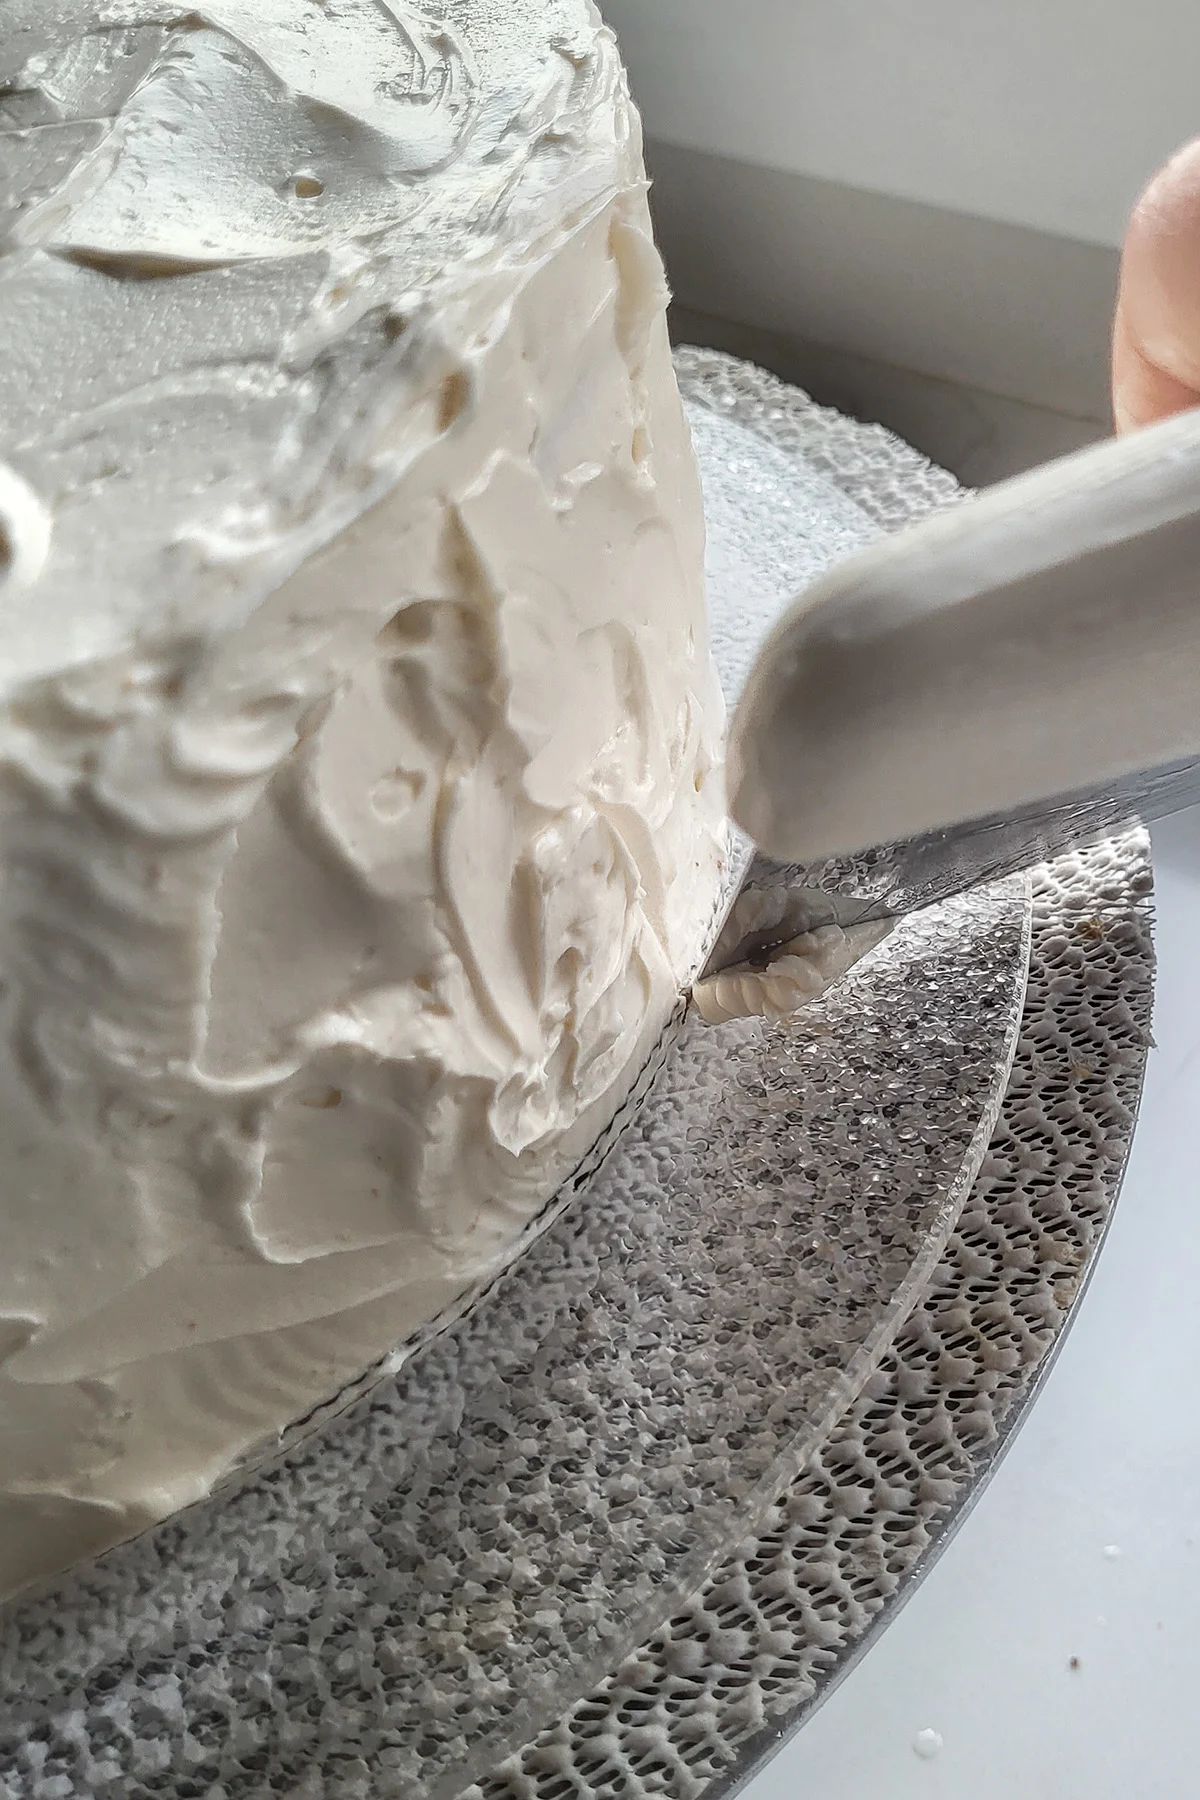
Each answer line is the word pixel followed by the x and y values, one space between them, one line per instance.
pixel 360 806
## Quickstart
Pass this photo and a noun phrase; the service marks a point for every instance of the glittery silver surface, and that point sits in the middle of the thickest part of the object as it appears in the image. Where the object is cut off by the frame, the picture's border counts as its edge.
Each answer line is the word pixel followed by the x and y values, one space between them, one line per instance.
pixel 534 1521
pixel 697 1707
pixel 546 1481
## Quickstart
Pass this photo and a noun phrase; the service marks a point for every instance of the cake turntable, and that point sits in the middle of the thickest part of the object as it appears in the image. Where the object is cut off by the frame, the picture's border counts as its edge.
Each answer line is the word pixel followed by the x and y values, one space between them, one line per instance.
pixel 615 1530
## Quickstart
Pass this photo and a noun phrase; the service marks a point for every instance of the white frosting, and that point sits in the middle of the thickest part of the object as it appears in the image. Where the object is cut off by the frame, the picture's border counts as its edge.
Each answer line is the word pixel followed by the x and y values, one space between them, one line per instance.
pixel 360 819
pixel 769 961
pixel 790 977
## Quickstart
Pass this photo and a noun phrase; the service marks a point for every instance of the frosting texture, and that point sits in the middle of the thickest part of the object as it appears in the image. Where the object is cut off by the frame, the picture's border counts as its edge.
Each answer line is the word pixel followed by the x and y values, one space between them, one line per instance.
pixel 360 806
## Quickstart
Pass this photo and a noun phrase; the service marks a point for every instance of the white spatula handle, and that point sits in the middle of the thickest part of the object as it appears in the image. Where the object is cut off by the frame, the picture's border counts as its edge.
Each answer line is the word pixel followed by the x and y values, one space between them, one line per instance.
pixel 1037 640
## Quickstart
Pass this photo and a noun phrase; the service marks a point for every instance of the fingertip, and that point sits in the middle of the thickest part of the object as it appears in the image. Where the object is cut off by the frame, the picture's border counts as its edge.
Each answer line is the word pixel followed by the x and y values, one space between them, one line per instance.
pixel 1170 202
pixel 1156 336
pixel 1141 391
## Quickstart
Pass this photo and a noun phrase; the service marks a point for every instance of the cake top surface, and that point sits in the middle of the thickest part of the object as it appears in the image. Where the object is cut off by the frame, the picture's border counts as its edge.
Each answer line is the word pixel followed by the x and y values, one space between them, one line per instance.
pixel 151 138
pixel 229 235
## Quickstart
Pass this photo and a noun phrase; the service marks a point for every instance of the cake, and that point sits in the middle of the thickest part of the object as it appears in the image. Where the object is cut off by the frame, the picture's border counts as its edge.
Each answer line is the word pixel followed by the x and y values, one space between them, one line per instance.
pixel 361 818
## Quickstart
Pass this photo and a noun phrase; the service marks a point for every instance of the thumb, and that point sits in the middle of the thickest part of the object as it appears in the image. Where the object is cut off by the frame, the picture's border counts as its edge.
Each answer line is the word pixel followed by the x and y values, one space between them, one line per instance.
pixel 1156 337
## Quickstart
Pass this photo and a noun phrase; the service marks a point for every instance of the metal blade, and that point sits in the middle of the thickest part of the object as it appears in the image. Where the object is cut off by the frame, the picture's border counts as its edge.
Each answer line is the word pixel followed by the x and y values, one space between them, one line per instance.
pixel 902 878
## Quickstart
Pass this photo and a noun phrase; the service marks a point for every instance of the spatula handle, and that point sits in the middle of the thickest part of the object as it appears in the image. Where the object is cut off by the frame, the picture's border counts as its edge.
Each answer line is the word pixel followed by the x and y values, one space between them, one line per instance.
pixel 1041 639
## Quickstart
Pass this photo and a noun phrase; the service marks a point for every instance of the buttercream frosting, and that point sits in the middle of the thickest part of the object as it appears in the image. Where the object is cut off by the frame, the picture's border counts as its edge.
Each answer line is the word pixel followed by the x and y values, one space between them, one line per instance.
pixel 360 804
pixel 788 977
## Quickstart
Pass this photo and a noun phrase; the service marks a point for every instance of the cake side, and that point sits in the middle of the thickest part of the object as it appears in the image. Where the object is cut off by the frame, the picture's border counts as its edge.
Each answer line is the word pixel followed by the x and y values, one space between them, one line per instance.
pixel 357 854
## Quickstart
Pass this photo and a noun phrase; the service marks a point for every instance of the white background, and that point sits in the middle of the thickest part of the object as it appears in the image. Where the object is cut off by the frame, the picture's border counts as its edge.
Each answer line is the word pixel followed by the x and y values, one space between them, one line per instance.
pixel 1048 113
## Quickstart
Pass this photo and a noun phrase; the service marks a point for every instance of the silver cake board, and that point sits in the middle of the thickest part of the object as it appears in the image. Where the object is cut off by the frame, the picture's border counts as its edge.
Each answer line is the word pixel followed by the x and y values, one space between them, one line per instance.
pixel 619 1527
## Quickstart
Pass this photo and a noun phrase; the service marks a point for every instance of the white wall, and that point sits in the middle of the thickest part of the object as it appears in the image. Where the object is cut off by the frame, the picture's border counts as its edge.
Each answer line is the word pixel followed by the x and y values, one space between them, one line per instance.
pixel 1044 113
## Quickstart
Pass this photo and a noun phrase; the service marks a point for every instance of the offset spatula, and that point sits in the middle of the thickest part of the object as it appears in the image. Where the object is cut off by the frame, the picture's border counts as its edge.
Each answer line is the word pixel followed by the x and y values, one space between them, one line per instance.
pixel 1015 677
